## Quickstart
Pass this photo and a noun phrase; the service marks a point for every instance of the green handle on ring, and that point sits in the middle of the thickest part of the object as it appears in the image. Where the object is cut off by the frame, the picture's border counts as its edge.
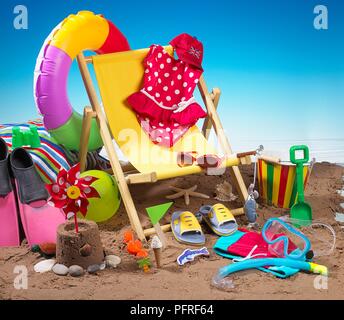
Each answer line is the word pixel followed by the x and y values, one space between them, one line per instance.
pixel 68 135
pixel 299 168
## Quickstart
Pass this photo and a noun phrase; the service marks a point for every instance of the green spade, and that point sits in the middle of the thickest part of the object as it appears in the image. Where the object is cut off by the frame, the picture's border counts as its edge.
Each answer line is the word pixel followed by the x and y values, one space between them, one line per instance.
pixel 301 210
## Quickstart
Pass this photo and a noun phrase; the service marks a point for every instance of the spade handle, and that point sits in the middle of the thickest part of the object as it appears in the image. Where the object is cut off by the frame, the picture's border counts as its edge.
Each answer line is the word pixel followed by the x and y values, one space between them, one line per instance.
pixel 299 168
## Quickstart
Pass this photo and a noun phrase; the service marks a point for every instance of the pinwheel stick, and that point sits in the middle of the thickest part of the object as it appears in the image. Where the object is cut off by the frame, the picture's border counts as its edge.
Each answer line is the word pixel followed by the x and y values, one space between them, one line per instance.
pixel 76 223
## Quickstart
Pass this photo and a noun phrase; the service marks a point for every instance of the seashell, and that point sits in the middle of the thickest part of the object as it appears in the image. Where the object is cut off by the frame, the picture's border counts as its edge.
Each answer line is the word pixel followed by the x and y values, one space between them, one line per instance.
pixel 224 192
pixel 85 250
pixel 112 261
pixel 44 266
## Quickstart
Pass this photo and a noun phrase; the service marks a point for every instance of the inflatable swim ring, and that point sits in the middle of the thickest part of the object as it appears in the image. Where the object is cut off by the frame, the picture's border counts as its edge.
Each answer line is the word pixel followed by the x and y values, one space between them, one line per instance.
pixel 83 31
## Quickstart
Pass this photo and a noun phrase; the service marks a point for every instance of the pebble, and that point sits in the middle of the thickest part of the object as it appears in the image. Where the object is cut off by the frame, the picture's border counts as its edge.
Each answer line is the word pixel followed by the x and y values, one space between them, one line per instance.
pixel 60 269
pixel 112 261
pixel 85 250
pixel 48 248
pixel 342 205
pixel 102 266
pixel 76 271
pixel 94 268
pixel 35 248
pixel 44 266
pixel 341 193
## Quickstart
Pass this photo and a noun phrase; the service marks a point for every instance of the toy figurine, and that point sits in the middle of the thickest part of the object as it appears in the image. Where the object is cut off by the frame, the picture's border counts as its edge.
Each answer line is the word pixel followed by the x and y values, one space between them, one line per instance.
pixel 135 248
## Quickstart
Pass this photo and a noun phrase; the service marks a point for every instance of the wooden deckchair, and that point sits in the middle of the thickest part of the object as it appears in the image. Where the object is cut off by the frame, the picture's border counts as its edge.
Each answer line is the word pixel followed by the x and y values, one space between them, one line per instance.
pixel 118 75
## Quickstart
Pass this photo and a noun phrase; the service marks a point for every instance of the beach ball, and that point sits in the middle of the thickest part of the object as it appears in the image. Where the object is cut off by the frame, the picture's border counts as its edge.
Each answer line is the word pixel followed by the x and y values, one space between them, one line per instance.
pixel 105 207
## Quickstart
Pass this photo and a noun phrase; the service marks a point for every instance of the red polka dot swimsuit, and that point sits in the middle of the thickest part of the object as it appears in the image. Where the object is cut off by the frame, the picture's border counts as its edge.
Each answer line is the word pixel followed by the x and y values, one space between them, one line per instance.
pixel 165 106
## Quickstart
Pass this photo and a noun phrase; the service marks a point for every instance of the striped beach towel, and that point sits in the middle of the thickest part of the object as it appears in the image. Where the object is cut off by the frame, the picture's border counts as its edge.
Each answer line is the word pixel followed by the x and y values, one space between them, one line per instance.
pixel 49 158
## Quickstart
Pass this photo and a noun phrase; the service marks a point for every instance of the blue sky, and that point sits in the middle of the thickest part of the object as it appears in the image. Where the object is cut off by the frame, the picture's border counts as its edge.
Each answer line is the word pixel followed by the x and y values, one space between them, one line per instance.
pixel 280 77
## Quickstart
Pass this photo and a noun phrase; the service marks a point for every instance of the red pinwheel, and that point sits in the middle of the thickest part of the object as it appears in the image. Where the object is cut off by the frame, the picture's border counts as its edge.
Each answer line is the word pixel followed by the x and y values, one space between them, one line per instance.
pixel 71 192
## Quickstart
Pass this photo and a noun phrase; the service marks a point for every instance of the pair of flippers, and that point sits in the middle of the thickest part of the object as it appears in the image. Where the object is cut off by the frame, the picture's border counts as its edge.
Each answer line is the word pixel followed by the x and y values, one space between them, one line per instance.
pixel 187 229
pixel 23 198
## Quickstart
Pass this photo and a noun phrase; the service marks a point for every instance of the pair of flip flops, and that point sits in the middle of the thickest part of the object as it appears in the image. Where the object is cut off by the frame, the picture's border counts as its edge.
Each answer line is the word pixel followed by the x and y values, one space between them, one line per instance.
pixel 187 229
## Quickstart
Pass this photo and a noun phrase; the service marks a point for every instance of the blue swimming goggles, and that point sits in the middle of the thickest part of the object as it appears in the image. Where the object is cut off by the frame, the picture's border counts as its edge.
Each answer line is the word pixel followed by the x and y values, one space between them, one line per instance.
pixel 282 238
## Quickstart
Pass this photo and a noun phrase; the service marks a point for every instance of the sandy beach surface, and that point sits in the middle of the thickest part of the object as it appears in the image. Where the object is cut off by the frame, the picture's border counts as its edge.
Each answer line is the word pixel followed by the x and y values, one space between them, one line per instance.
pixel 192 281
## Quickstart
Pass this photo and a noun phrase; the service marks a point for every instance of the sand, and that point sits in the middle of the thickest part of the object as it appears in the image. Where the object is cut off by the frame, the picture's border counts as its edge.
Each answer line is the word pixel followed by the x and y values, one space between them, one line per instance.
pixel 191 281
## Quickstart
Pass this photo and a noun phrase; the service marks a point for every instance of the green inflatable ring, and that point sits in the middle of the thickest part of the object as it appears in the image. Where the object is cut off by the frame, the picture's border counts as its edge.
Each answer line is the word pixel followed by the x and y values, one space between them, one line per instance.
pixel 69 134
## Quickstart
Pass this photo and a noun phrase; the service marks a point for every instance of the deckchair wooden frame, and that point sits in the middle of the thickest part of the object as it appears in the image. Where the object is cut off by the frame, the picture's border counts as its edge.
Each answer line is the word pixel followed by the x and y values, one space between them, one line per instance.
pixel 126 175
